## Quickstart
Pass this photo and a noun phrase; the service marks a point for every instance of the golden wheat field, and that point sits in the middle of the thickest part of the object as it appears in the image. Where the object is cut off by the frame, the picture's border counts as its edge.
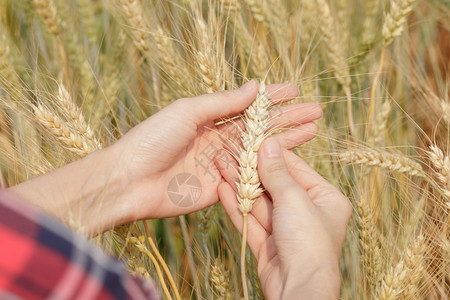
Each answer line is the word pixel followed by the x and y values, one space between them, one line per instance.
pixel 76 75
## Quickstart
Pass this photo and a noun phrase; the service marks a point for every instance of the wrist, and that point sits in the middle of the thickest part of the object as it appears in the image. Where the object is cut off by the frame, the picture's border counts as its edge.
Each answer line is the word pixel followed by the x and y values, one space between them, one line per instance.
pixel 85 194
pixel 322 282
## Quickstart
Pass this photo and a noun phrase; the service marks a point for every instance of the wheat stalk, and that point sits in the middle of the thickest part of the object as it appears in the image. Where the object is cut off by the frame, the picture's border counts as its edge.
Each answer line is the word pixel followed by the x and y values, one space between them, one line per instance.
pixel 336 56
pixel 445 107
pixel 392 162
pixel 249 186
pixel 139 243
pixel 395 20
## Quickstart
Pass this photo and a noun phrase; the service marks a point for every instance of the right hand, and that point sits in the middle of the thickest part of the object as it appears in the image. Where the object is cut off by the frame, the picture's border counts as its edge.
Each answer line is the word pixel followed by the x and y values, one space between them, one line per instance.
pixel 296 229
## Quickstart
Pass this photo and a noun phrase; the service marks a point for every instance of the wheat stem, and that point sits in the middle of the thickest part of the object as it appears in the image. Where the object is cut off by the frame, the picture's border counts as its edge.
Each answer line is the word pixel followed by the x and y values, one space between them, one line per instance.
pixel 373 90
pixel 139 244
pixel 243 247
pixel 162 262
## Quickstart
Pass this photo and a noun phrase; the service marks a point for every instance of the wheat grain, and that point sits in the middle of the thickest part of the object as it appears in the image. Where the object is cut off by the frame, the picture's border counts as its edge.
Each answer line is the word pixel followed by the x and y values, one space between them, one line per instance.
pixel 230 5
pixel 413 260
pixel 47 10
pixel 441 164
pixel 257 10
pixel 256 124
pixel 392 162
pixel 72 141
pixel 134 11
pixel 395 20
pixel 401 281
pixel 8 76
pixel 249 186
pixel 445 108
pixel 88 20
pixel 77 120
pixel 344 24
pixel 219 281
pixel 208 67
pixel 260 65
pixel 378 128
pixel 335 55
pixel 369 243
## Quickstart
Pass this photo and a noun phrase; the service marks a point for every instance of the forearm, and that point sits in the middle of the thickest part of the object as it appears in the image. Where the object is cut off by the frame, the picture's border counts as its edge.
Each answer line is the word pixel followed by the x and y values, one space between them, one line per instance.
pixel 85 194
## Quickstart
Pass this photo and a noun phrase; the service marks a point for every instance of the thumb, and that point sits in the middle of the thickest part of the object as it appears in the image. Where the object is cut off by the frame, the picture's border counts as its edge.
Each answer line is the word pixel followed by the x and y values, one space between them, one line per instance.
pixel 275 175
pixel 222 104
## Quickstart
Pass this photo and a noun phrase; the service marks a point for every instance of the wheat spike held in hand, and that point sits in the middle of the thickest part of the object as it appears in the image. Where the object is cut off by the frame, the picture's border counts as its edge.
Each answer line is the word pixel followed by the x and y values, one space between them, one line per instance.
pixel 249 186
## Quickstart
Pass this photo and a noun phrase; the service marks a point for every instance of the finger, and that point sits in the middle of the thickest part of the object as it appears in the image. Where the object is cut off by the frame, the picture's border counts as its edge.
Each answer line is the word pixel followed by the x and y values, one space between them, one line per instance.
pixel 276 178
pixel 288 139
pixel 323 194
pixel 209 107
pixel 296 136
pixel 278 93
pixel 303 174
pixel 282 92
pixel 279 117
pixel 262 208
pixel 256 235
pixel 294 114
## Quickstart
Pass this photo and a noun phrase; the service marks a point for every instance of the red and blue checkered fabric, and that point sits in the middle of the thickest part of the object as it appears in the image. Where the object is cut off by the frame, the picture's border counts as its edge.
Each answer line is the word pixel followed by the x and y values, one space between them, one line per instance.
pixel 40 258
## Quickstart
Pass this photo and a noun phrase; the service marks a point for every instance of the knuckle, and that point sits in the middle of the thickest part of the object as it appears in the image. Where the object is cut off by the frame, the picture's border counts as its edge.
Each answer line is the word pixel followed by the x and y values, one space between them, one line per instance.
pixel 276 168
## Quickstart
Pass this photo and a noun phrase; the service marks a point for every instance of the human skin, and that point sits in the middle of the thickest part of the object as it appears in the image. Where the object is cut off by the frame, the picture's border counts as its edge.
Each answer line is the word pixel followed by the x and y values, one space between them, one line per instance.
pixel 296 229
pixel 128 181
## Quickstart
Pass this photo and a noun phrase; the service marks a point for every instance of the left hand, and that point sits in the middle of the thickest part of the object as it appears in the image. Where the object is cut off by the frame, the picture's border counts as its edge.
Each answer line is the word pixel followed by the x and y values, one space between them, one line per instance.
pixel 183 138
pixel 129 180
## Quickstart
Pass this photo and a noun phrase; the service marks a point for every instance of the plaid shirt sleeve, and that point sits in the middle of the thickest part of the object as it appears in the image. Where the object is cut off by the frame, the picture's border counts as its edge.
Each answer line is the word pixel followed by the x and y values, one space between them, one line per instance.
pixel 40 258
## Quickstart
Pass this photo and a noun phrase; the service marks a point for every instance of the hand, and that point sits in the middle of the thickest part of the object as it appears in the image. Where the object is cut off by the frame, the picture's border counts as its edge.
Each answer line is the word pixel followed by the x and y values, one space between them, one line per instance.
pixel 183 138
pixel 129 180
pixel 296 229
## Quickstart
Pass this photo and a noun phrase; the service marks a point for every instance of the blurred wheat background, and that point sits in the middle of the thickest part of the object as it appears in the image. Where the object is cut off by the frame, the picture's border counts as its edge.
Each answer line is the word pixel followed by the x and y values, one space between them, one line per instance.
pixel 76 75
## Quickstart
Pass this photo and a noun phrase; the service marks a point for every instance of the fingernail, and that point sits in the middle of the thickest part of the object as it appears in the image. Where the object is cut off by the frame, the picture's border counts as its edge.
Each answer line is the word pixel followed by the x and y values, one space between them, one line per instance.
pixel 271 148
pixel 248 86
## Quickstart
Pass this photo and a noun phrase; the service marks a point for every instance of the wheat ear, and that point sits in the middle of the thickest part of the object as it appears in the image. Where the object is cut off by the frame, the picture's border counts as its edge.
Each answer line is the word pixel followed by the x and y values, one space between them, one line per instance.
pixel 395 20
pixel 393 26
pixel 441 164
pixel 369 242
pixel 327 26
pixel 219 281
pixel 134 11
pixel 249 186
pixel 73 141
pixel 139 243
pixel 76 118
pixel 392 162
pixel 47 10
